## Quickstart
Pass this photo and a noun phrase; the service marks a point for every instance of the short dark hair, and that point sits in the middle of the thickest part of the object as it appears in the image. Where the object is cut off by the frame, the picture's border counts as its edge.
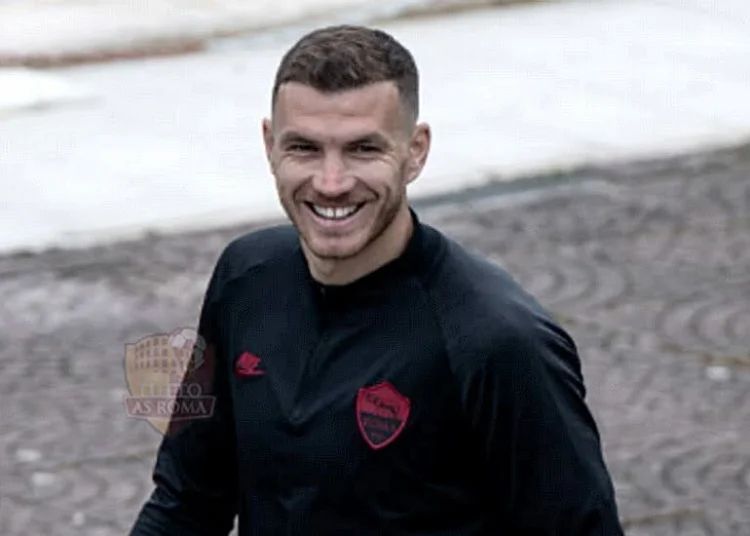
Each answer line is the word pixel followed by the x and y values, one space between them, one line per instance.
pixel 343 57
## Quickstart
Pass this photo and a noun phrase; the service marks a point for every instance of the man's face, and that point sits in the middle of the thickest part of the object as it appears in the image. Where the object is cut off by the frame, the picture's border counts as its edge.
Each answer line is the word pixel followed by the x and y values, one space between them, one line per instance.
pixel 342 162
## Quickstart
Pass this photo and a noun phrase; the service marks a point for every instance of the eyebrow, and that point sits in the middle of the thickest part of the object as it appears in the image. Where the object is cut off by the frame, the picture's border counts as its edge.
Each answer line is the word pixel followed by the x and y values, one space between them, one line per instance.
pixel 372 137
pixel 289 137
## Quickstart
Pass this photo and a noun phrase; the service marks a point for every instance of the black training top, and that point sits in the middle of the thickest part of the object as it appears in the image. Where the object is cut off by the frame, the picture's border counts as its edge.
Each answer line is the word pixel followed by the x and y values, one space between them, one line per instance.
pixel 431 397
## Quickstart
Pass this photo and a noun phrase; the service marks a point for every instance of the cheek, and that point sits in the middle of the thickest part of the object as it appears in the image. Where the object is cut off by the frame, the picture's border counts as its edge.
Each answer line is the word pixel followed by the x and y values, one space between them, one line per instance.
pixel 379 175
pixel 290 175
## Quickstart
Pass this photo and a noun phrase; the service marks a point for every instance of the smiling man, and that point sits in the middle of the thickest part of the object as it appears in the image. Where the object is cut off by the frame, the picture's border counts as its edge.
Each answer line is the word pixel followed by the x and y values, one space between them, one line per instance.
pixel 343 145
pixel 370 375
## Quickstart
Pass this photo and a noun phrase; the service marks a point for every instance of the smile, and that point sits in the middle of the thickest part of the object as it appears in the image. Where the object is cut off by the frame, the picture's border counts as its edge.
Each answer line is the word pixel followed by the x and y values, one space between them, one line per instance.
pixel 335 213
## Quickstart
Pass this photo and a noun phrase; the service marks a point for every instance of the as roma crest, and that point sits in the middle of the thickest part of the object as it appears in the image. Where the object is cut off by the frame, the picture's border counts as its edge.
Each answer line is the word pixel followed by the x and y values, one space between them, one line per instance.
pixel 169 379
pixel 382 413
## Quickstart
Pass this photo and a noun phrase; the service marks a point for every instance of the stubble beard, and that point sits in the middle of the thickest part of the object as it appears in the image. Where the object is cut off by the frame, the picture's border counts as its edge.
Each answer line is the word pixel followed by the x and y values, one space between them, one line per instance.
pixel 381 223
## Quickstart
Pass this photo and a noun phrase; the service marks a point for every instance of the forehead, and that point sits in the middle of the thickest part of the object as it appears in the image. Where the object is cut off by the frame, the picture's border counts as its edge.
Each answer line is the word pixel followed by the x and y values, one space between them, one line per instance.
pixel 373 107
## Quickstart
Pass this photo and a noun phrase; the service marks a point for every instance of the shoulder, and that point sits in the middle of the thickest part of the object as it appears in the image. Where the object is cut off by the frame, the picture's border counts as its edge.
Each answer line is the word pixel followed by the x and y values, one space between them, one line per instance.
pixel 489 320
pixel 470 291
pixel 251 251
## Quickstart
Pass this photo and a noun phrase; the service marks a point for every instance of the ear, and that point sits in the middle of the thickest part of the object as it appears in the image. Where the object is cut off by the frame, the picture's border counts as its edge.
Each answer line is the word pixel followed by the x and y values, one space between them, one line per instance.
pixel 419 149
pixel 268 137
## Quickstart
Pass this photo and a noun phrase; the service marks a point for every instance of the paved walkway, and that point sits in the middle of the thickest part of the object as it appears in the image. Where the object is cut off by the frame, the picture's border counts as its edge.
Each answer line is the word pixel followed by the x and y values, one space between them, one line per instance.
pixel 103 151
pixel 648 267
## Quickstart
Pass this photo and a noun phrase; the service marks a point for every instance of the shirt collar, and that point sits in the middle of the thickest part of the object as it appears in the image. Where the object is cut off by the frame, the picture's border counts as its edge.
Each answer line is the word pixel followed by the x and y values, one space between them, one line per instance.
pixel 415 259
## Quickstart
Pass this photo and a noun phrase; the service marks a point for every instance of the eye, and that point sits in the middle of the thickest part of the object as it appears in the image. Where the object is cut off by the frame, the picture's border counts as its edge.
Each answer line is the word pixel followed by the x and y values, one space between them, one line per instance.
pixel 301 148
pixel 366 148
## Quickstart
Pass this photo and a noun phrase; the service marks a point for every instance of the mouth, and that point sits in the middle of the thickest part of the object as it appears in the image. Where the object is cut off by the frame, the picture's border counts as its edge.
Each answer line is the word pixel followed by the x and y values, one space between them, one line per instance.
pixel 335 214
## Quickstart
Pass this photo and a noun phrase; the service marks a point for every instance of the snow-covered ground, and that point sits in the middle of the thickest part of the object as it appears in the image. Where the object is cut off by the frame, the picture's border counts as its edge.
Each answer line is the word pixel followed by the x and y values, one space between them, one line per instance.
pixel 175 143
pixel 31 30
pixel 118 23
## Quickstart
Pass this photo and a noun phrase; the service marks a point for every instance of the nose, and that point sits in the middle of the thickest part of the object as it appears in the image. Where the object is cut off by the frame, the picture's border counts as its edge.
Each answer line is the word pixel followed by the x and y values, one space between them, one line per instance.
pixel 332 180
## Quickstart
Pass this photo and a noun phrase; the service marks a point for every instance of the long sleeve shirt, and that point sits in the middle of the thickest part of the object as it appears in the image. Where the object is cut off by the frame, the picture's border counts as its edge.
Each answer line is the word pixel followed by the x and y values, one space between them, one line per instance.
pixel 434 396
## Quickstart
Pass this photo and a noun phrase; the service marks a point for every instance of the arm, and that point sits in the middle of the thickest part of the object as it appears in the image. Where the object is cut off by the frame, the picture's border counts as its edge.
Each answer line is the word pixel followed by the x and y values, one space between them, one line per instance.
pixel 194 475
pixel 539 441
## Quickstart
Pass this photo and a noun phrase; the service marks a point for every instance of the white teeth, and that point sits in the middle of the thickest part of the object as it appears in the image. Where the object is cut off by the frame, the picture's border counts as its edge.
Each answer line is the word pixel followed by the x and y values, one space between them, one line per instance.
pixel 337 213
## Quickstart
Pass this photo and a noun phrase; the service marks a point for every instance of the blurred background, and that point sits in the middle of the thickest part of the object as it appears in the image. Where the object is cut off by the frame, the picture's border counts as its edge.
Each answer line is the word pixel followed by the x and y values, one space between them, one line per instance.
pixel 596 149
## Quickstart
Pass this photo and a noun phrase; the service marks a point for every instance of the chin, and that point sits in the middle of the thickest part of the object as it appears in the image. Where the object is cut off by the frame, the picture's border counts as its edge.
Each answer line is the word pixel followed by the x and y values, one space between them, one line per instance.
pixel 331 243
pixel 334 248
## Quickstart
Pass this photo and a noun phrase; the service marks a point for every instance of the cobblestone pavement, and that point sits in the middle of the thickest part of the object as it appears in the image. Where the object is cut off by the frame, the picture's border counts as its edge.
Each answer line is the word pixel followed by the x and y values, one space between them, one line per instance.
pixel 648 266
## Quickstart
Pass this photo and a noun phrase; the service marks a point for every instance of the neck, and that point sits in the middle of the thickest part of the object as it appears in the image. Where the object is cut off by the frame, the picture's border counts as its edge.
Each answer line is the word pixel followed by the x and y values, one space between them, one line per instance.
pixel 385 248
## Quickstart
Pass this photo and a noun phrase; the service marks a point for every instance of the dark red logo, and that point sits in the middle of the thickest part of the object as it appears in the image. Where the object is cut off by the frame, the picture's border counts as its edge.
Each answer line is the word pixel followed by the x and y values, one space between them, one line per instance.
pixel 382 413
pixel 247 365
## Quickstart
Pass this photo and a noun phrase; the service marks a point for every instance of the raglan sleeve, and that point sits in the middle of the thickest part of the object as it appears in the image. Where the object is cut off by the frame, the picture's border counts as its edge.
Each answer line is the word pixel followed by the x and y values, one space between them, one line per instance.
pixel 194 474
pixel 545 468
